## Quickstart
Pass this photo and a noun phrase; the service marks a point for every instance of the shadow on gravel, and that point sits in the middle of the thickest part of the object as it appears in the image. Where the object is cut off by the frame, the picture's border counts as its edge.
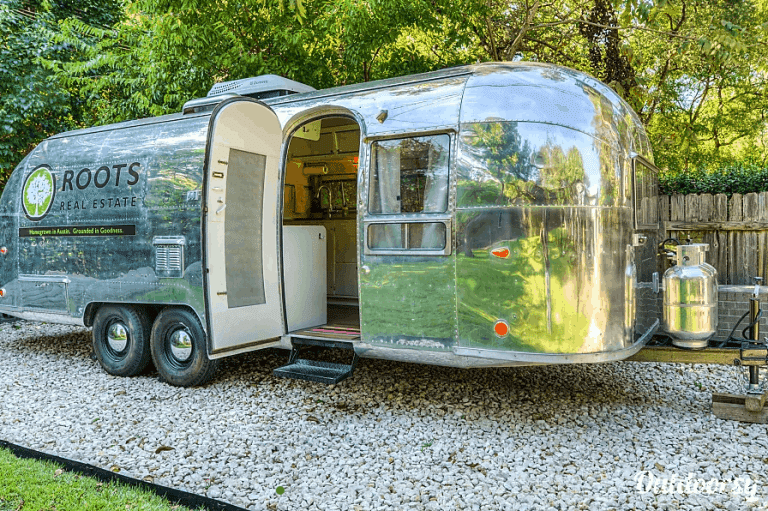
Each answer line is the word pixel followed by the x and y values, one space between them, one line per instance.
pixel 76 344
pixel 546 389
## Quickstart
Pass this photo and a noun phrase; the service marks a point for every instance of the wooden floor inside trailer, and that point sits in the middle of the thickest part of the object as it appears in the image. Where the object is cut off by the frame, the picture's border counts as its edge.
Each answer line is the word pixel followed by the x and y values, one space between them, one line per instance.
pixel 343 325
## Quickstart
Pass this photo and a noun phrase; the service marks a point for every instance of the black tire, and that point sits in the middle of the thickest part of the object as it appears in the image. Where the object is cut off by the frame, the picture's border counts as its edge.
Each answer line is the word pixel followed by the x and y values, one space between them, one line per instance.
pixel 121 339
pixel 178 349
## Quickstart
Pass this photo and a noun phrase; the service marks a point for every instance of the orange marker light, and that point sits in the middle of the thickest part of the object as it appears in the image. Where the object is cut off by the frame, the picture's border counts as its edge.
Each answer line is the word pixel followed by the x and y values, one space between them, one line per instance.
pixel 501 328
pixel 2 292
pixel 502 252
pixel 3 250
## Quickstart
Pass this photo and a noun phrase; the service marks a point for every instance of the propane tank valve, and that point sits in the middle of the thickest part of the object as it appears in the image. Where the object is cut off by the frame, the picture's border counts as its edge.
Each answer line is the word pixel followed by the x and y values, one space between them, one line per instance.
pixel 665 252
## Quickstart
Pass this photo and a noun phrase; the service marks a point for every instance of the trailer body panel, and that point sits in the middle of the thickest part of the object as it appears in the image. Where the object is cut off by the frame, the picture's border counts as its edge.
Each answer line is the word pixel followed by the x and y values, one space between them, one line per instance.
pixel 496 214
pixel 112 197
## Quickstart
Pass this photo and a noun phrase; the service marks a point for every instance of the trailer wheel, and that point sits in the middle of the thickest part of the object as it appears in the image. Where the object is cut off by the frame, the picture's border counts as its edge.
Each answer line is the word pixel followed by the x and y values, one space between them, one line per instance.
pixel 178 349
pixel 121 339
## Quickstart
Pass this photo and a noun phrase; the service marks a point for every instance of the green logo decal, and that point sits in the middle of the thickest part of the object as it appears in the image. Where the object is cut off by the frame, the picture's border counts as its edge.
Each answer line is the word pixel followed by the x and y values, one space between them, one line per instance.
pixel 38 192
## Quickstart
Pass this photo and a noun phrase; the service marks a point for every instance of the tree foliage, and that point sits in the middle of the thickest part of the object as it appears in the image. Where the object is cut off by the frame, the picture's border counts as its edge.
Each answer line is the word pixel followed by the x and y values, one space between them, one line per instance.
pixel 169 51
pixel 696 71
pixel 705 83
pixel 31 106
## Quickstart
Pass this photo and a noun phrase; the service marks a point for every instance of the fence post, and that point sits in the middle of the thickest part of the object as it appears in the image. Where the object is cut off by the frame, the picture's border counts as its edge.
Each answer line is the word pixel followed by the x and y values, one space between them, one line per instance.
pixel 751 212
pixel 736 273
pixel 762 241
pixel 720 214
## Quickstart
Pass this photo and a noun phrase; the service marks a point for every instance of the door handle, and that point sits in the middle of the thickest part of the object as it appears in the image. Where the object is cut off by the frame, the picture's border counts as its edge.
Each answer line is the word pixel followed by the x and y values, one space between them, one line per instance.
pixel 222 208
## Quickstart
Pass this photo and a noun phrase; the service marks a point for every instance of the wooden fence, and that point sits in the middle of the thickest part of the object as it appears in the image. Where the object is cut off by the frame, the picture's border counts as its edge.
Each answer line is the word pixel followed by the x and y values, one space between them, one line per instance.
pixel 736 229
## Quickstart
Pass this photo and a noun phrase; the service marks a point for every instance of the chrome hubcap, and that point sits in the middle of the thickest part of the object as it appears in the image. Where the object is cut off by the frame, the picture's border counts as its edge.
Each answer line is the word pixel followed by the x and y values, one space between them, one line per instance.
pixel 181 345
pixel 117 336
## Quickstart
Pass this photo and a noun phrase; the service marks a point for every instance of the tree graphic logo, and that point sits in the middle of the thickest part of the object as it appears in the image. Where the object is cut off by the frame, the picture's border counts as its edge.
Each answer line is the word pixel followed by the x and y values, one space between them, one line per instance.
pixel 38 192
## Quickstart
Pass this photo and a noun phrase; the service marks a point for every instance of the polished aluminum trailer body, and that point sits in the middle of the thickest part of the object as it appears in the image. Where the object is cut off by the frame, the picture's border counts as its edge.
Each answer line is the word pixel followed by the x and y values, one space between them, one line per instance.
pixel 523 252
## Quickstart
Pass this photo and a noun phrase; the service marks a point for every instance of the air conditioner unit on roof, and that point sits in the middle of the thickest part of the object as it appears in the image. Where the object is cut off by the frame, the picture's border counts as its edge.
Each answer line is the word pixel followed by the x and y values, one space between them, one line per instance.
pixel 260 87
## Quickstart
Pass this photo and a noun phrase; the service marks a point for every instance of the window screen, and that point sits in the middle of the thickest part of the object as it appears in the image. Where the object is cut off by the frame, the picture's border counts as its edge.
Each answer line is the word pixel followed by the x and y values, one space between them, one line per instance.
pixel 409 175
pixel 242 229
pixel 407 236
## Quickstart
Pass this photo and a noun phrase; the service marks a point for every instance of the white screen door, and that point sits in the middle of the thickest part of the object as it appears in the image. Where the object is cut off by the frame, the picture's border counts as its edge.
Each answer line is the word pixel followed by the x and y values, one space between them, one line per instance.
pixel 240 239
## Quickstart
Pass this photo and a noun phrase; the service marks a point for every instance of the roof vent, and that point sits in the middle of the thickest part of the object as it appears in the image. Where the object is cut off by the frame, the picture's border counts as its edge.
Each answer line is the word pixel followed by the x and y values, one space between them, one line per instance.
pixel 260 87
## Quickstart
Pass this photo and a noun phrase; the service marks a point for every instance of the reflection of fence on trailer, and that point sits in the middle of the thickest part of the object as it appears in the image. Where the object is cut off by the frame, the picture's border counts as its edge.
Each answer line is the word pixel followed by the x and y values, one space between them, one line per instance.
pixel 736 230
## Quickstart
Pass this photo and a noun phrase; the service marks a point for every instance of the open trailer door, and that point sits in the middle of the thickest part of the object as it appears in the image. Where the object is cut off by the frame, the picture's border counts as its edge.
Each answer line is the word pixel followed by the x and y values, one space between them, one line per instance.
pixel 240 227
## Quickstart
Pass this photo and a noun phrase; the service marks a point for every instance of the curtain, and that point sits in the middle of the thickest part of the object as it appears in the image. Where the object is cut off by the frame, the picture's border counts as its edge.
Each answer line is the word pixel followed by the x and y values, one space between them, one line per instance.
pixel 436 192
pixel 387 195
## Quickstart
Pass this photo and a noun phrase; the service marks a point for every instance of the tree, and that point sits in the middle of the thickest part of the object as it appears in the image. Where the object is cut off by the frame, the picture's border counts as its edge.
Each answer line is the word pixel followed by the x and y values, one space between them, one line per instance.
pixel 696 71
pixel 705 83
pixel 166 52
pixel 32 106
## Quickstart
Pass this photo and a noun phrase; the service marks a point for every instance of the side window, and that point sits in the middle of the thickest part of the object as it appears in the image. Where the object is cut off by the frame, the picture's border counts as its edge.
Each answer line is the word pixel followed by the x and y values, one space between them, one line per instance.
pixel 409 176
pixel 646 194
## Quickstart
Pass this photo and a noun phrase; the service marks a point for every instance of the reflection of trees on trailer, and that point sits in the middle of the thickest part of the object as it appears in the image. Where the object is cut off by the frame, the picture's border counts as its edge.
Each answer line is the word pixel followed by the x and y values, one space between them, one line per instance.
pixel 489 215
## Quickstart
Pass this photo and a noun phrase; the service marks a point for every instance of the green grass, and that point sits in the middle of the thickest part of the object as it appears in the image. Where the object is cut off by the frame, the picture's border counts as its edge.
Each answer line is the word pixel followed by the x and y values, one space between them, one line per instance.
pixel 31 485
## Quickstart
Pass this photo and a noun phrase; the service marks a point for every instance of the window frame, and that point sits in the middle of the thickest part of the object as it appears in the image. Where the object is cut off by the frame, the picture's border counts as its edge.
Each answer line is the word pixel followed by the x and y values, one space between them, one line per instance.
pixel 406 219
pixel 635 206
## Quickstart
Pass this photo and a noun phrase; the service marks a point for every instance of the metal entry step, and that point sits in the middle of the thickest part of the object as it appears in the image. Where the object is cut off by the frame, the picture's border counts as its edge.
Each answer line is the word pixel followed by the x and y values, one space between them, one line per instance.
pixel 316 370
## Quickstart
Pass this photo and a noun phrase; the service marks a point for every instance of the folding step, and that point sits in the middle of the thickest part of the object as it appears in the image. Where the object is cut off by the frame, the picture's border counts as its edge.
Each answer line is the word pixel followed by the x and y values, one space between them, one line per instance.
pixel 316 370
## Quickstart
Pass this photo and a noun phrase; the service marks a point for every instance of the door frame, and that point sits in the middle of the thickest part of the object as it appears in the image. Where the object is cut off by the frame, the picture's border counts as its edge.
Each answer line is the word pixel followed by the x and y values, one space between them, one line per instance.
pixel 290 127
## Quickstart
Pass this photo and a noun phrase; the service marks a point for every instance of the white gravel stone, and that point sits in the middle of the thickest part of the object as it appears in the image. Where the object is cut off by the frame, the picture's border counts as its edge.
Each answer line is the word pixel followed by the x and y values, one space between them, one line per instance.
pixel 395 436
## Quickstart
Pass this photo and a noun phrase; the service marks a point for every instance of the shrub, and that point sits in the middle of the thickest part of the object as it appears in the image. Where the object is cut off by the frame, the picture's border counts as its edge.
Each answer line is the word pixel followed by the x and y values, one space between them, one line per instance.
pixel 740 177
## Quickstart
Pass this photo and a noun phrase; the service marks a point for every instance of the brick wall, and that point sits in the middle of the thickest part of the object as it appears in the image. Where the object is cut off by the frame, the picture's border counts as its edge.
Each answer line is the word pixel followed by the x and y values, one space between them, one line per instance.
pixel 732 305
pixel 733 302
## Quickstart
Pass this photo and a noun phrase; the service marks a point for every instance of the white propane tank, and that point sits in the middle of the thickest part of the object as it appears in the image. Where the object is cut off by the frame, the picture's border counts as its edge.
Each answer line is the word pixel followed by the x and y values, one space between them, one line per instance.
pixel 690 298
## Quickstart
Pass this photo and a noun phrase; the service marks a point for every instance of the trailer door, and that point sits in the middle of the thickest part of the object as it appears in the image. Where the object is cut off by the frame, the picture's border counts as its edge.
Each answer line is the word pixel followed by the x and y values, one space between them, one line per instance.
pixel 407 273
pixel 240 231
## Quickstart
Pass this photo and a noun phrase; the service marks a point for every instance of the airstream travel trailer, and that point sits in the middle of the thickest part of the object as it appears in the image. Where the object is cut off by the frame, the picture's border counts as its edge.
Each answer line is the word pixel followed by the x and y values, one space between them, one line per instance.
pixel 487 215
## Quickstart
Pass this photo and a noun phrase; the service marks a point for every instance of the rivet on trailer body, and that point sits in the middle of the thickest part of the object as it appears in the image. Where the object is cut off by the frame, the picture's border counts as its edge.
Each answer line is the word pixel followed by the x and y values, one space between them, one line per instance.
pixel 501 328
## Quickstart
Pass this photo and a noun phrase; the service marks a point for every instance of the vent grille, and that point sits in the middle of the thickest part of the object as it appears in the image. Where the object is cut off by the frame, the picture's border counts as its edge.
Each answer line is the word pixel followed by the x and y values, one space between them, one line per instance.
pixel 220 88
pixel 169 258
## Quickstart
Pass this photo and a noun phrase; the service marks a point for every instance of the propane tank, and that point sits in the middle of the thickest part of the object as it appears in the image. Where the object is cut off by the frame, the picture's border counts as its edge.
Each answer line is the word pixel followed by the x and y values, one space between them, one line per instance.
pixel 690 298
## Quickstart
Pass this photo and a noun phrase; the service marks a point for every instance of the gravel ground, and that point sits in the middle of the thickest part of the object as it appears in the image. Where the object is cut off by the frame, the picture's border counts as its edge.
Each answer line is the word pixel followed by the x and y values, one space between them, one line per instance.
pixel 395 436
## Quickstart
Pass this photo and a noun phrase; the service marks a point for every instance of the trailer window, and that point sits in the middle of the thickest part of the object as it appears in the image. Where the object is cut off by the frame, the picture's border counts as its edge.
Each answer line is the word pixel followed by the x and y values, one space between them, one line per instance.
pixel 409 175
pixel 407 236
pixel 646 194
